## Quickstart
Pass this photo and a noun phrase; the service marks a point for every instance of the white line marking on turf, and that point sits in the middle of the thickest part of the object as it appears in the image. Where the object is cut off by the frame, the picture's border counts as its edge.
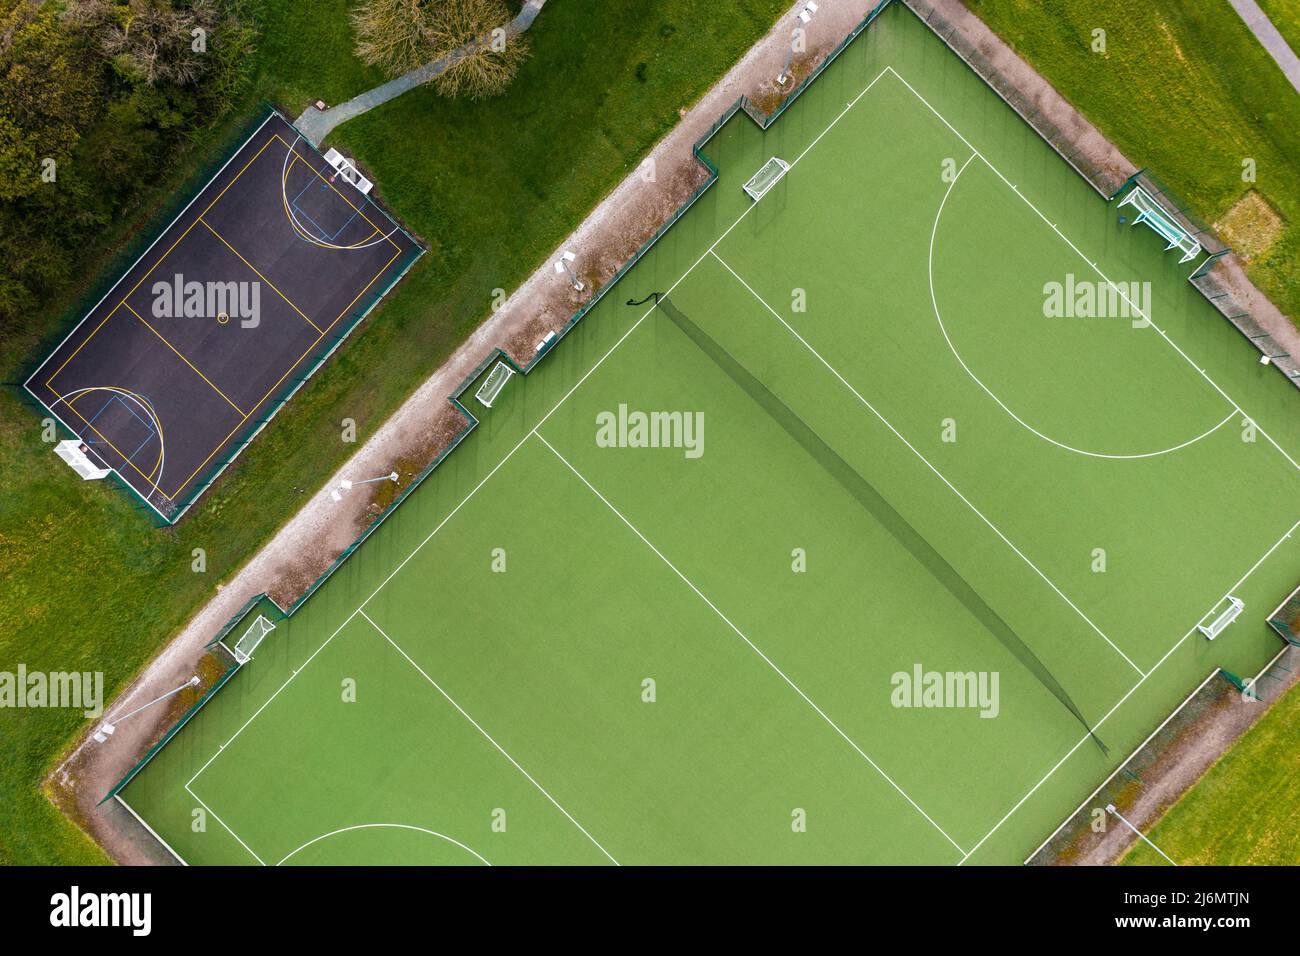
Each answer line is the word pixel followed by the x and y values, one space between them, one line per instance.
pixel 1236 407
pixel 739 633
pixel 1114 773
pixel 490 739
pixel 152 832
pixel 934 304
pixel 214 816
pixel 926 462
pixel 1242 580
pixel 386 826
pixel 623 338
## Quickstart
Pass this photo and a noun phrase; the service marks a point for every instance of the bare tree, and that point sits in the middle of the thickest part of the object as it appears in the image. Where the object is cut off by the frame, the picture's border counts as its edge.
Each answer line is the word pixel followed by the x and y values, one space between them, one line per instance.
pixel 482 55
pixel 151 40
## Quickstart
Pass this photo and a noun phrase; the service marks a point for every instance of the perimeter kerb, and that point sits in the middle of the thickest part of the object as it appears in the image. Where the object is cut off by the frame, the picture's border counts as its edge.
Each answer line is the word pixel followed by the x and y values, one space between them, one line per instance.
pixel 1075 837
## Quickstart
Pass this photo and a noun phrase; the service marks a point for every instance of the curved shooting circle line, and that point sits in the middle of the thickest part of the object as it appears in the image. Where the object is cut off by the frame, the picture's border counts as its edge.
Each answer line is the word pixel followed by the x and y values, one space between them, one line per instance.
pixel 934 302
pixel 302 230
pixel 384 826
pixel 156 473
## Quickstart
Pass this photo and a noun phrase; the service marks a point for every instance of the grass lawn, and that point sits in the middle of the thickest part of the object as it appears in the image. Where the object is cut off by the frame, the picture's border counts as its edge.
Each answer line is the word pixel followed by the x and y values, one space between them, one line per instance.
pixel 1184 89
pixel 85 581
pixel 1245 810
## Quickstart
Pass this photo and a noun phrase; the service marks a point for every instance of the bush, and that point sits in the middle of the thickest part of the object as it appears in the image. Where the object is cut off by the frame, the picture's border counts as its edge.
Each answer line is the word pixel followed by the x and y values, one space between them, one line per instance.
pixel 96 97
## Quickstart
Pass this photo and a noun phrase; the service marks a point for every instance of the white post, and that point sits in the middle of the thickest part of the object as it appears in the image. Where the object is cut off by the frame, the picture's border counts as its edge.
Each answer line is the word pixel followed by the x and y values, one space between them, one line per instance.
pixel 106 729
pixel 1110 808
pixel 346 485
pixel 562 265
pixel 805 15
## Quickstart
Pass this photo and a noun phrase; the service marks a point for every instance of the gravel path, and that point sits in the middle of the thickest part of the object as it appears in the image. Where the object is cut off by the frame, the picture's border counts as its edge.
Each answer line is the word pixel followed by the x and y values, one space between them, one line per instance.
pixel 1269 38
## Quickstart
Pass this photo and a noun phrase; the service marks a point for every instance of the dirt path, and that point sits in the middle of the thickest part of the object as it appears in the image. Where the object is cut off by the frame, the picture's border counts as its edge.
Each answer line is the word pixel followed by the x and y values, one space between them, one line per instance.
pixel 322 529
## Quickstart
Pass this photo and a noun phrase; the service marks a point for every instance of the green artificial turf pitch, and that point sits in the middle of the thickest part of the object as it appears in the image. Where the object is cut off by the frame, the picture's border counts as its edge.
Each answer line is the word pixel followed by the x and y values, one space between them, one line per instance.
pixel 885 297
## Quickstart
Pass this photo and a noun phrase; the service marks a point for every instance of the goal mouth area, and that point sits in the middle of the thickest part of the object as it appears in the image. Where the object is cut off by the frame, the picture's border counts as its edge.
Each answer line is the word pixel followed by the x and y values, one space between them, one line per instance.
pixel 1162 222
pixel 77 455
pixel 1222 614
pixel 252 637
pixel 492 385
pixel 346 171
pixel 768 176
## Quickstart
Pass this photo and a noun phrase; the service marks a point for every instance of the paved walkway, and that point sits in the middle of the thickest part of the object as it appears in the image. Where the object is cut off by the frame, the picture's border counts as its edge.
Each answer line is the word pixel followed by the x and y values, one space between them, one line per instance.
pixel 316 124
pixel 1272 41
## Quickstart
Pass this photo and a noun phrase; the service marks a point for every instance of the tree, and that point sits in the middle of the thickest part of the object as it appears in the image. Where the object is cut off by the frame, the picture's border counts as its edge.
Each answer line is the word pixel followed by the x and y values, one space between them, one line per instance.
pixel 152 41
pixel 49 88
pixel 482 55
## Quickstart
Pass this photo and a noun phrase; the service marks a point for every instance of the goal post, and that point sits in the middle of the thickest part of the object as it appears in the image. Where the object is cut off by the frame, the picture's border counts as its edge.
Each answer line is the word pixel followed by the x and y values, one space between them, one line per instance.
pixel 347 171
pixel 73 452
pixel 492 385
pixel 767 177
pixel 1162 221
pixel 1223 614
pixel 252 637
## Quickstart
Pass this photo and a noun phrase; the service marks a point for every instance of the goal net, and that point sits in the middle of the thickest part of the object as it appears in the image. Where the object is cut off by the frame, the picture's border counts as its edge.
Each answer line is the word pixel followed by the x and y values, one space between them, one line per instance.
pixel 74 453
pixel 346 171
pixel 492 385
pixel 1162 221
pixel 766 178
pixel 245 646
pixel 1223 614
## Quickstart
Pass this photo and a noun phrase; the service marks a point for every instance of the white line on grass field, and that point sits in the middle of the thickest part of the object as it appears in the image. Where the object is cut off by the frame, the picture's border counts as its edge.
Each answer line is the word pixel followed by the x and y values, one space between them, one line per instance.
pixel 623 338
pixel 1082 740
pixel 739 633
pixel 1236 407
pixel 489 738
pixel 212 813
pixel 926 462
pixel 386 826
pixel 1115 773
pixel 152 832
pixel 934 304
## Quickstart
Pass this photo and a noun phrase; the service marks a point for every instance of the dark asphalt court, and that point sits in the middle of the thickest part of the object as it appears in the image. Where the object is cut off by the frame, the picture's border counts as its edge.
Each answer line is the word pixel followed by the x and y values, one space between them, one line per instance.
pixel 224 315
